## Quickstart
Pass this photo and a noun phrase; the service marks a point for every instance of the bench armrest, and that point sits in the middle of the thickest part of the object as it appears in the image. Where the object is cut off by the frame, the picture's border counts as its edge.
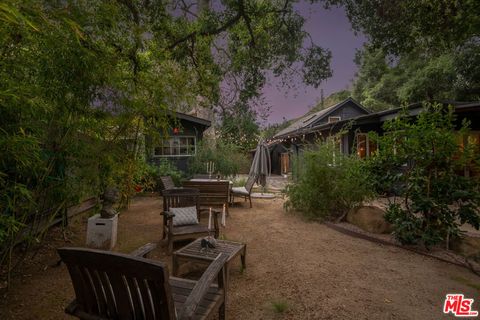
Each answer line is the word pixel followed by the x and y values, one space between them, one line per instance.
pixel 144 250
pixel 202 286
pixel 207 210
pixel 167 214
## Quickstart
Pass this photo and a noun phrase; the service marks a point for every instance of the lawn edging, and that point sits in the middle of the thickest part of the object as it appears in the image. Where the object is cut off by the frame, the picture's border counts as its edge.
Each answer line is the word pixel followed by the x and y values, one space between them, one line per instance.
pixel 455 259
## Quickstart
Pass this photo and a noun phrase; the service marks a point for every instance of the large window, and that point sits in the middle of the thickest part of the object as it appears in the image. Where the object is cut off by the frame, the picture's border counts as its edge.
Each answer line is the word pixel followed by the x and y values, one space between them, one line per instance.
pixel 365 146
pixel 176 146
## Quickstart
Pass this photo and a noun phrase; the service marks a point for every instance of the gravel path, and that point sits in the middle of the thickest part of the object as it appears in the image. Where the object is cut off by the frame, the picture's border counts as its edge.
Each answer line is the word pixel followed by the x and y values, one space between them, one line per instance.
pixel 307 269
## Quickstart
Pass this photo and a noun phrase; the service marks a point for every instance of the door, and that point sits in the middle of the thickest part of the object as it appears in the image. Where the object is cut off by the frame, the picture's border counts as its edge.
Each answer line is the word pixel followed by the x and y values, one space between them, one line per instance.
pixel 285 162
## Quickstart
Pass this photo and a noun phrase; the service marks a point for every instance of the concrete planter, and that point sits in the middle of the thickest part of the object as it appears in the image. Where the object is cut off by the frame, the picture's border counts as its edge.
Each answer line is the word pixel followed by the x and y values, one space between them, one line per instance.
pixel 102 232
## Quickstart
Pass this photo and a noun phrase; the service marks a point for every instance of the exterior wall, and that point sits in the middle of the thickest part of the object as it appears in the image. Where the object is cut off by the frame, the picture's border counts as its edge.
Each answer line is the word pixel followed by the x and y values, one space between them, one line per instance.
pixel 186 128
pixel 347 111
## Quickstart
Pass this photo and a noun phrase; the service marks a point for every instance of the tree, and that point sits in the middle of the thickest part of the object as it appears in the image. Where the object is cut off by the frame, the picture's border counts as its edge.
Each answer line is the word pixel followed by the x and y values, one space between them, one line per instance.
pixel 417 50
pixel 384 82
pixel 239 126
pixel 401 26
pixel 83 81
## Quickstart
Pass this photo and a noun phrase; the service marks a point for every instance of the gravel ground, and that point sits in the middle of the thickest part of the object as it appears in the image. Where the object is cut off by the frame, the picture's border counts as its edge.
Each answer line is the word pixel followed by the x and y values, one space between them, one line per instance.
pixel 295 270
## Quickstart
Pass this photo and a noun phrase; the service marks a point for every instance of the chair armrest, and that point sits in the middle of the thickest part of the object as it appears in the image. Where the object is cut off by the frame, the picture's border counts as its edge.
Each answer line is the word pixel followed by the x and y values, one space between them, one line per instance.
pixel 202 286
pixel 144 250
pixel 167 214
pixel 215 212
pixel 73 310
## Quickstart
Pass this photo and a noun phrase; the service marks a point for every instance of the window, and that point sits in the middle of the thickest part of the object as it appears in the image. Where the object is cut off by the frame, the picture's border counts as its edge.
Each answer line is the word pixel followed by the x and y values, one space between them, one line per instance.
pixel 176 146
pixel 365 146
pixel 334 119
pixel 471 140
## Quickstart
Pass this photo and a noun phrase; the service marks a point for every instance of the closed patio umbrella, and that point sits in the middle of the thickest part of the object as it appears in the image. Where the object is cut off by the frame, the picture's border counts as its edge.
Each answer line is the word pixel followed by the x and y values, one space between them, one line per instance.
pixel 261 164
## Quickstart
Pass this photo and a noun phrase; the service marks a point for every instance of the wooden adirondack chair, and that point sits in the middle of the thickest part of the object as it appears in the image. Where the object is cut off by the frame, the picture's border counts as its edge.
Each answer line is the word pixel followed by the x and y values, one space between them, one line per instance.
pixel 181 198
pixel 119 286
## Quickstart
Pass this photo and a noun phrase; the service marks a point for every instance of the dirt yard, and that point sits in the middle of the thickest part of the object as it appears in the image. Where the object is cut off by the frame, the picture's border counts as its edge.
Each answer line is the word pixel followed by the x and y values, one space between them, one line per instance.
pixel 295 270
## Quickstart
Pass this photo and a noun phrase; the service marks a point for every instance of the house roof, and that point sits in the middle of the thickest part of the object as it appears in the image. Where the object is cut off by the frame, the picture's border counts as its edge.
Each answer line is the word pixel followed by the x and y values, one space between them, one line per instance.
pixel 382 116
pixel 379 117
pixel 309 120
pixel 187 117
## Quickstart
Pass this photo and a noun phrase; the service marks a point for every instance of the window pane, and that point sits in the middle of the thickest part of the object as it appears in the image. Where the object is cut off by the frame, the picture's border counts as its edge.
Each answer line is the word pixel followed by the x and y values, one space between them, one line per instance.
pixel 361 145
pixel 176 146
pixel 372 147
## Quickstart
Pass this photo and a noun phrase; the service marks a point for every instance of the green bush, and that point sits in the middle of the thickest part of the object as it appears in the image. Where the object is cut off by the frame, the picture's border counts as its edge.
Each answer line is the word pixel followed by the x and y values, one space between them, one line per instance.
pixel 421 160
pixel 148 175
pixel 228 158
pixel 328 183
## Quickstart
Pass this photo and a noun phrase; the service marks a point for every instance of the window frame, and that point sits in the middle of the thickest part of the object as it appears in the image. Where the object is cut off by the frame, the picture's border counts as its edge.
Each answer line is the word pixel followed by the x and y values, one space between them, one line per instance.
pixel 339 118
pixel 367 142
pixel 172 146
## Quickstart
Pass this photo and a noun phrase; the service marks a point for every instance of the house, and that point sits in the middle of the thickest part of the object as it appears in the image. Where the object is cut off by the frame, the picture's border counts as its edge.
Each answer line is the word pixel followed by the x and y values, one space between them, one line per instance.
pixel 354 137
pixel 301 132
pixel 181 141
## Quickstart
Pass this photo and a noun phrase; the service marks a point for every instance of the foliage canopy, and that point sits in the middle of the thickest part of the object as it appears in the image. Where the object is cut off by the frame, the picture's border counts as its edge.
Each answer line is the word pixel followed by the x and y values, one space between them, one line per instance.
pixel 83 82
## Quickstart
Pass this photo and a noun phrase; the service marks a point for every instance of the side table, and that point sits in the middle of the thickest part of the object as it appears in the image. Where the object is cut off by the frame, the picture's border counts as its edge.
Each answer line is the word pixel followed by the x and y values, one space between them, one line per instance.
pixel 195 252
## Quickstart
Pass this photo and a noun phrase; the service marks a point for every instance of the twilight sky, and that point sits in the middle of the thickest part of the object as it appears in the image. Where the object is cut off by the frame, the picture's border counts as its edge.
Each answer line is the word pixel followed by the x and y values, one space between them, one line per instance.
pixel 329 29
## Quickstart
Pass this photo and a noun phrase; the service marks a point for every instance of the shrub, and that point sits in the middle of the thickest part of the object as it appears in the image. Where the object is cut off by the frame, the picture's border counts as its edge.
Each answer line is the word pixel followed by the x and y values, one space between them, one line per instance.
pixel 328 183
pixel 424 158
pixel 228 158
pixel 148 175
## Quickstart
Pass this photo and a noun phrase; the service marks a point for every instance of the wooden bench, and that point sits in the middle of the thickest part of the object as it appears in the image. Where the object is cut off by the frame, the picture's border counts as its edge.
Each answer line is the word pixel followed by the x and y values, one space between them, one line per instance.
pixel 112 285
pixel 212 193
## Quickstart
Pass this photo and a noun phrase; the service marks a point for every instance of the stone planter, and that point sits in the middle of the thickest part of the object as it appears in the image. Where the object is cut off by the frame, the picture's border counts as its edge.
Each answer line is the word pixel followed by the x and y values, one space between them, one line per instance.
pixel 102 232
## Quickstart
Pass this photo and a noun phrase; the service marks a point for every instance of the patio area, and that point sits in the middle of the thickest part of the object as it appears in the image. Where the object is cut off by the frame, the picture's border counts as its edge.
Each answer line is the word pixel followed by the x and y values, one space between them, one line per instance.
pixel 295 270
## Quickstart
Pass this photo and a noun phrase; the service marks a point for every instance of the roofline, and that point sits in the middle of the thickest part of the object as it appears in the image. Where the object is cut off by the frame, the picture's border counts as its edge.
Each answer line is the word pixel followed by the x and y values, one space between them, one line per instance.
pixel 335 107
pixel 458 105
pixel 191 118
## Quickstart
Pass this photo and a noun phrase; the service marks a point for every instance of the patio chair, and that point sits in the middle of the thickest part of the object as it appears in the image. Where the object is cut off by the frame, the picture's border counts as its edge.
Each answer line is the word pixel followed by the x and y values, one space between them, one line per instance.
pixel 182 214
pixel 167 183
pixel 112 285
pixel 244 191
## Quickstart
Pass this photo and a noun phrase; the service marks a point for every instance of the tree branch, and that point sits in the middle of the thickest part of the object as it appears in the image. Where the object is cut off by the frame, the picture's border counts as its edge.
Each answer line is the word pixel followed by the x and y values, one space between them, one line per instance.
pixel 194 34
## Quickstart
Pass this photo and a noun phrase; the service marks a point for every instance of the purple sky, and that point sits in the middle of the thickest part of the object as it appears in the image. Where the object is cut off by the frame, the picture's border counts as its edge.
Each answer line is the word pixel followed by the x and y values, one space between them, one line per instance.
pixel 329 29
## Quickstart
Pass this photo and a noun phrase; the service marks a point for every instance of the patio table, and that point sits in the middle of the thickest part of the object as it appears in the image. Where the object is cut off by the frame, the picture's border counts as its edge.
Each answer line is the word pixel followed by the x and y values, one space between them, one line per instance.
pixel 194 252
pixel 210 180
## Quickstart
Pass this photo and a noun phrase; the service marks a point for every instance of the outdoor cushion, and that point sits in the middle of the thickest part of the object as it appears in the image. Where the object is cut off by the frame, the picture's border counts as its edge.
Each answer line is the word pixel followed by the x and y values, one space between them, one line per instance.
pixel 240 190
pixel 184 216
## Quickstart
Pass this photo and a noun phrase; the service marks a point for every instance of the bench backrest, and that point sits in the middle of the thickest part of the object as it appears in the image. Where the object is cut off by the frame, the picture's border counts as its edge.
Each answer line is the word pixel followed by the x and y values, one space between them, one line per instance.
pixel 167 183
pixel 211 192
pixel 118 286
pixel 250 182
pixel 180 198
